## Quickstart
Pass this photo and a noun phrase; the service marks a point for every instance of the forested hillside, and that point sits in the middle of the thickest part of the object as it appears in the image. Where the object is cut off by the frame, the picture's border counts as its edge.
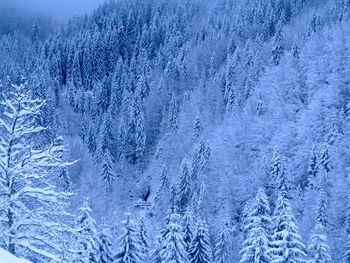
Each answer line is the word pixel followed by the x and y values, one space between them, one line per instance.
pixel 177 131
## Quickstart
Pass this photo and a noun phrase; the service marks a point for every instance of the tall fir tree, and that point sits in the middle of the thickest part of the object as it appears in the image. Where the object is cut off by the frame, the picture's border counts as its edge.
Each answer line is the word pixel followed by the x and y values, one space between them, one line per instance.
pixel 183 187
pixel 105 252
pixel 200 248
pixel 278 46
pixel 174 247
pixel 258 225
pixel 222 249
pixel 286 245
pixel 318 249
pixel 130 244
pixel 87 235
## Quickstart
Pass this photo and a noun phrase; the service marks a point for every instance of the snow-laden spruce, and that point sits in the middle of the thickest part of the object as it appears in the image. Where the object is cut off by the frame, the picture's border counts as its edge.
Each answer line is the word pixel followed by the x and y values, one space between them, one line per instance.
pixel 286 245
pixel 32 209
pixel 200 248
pixel 258 225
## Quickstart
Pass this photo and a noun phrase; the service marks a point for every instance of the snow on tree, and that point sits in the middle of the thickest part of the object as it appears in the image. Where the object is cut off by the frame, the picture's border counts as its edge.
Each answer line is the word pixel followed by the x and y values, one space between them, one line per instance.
pixel 312 169
pixel 321 211
pixel 172 114
pixel 156 251
pixel 197 128
pixel 257 229
pixel 222 249
pixel 183 187
pixel 87 235
pixel 105 252
pixel 188 225
pixel 318 249
pixel 143 238
pixel 31 206
pixel 286 245
pixel 277 175
pixel 174 246
pixel 278 46
pixel 130 244
pixel 107 174
pixel 200 248
pixel 325 160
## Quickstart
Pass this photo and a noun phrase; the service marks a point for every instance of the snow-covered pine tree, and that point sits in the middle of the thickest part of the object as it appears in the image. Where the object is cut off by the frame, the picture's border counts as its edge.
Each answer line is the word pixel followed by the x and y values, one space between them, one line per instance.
pixel 130 245
pixel 278 46
pixel 197 128
pixel 188 225
pixel 200 164
pixel 156 251
pixel 222 249
pixel 172 114
pixel 162 198
pixel 183 187
pixel 143 238
pixel 174 246
pixel 105 252
pixel 31 207
pixel 325 159
pixel 277 175
pixel 258 225
pixel 312 169
pixel 107 174
pixel 200 248
pixel 106 139
pixel 88 241
pixel 318 249
pixel 321 211
pixel 286 245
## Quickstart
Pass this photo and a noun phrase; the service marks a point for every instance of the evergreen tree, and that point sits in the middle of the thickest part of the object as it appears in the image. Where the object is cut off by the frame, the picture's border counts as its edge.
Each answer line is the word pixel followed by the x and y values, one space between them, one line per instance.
pixel 318 249
pixel 143 238
pixel 321 212
pixel 87 234
pixel 325 160
pixel 277 175
pixel 257 228
pixel 107 174
pixel 183 187
pixel 174 247
pixel 130 245
pixel 222 251
pixel 286 245
pixel 105 253
pixel 197 128
pixel 278 46
pixel 200 249
pixel 156 252
pixel 172 118
pixel 188 224
pixel 312 168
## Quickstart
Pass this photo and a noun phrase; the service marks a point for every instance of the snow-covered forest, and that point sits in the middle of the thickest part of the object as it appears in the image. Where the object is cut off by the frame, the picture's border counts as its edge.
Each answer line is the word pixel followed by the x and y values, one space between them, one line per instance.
pixel 177 131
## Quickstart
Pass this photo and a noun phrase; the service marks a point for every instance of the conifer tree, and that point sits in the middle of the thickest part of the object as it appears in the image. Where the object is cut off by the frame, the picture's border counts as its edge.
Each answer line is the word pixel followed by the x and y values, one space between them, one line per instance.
pixel 257 228
pixel 321 212
pixel 222 250
pixel 183 187
pixel 87 235
pixel 130 246
pixel 277 174
pixel 105 253
pixel 172 118
pixel 325 160
pixel 188 225
pixel 156 252
pixel 286 245
pixel 107 174
pixel 143 238
pixel 174 247
pixel 200 248
pixel 318 249
pixel 278 46
pixel 312 168
pixel 197 128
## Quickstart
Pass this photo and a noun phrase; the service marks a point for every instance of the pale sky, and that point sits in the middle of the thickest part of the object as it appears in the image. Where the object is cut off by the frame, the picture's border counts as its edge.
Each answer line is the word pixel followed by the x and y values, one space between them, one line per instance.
pixel 59 9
